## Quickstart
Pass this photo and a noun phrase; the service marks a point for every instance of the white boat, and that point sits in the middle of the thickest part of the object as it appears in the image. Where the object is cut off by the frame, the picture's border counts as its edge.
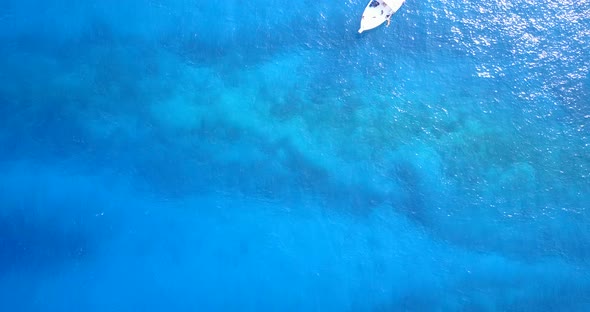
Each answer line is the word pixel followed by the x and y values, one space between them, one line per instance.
pixel 378 12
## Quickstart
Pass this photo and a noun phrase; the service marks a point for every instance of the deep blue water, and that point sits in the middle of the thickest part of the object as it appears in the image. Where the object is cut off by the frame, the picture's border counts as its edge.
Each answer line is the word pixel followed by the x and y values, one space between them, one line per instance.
pixel 262 156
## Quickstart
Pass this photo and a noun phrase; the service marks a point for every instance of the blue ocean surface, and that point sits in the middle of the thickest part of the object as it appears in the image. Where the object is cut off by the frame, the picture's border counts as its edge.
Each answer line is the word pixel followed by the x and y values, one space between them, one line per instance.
pixel 176 155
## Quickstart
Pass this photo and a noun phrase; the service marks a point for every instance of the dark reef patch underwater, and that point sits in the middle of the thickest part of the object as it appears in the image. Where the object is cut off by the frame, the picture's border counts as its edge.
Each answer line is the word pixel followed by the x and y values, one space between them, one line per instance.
pixel 251 156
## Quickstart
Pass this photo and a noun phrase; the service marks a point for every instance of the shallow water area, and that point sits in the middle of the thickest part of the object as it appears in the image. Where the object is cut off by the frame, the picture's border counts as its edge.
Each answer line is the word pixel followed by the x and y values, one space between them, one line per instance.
pixel 178 155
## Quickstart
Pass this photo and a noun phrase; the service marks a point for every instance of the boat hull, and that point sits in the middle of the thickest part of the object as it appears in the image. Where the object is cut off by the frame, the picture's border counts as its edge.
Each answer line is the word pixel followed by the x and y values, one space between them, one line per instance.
pixel 378 12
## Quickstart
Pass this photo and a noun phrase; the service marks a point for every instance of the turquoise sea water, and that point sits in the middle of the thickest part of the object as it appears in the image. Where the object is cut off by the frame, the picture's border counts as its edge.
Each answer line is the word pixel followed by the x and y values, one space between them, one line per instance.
pixel 262 156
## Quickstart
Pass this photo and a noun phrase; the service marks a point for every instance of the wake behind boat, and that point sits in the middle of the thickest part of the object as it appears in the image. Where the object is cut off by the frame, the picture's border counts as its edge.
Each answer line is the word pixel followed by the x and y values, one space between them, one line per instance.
pixel 378 12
